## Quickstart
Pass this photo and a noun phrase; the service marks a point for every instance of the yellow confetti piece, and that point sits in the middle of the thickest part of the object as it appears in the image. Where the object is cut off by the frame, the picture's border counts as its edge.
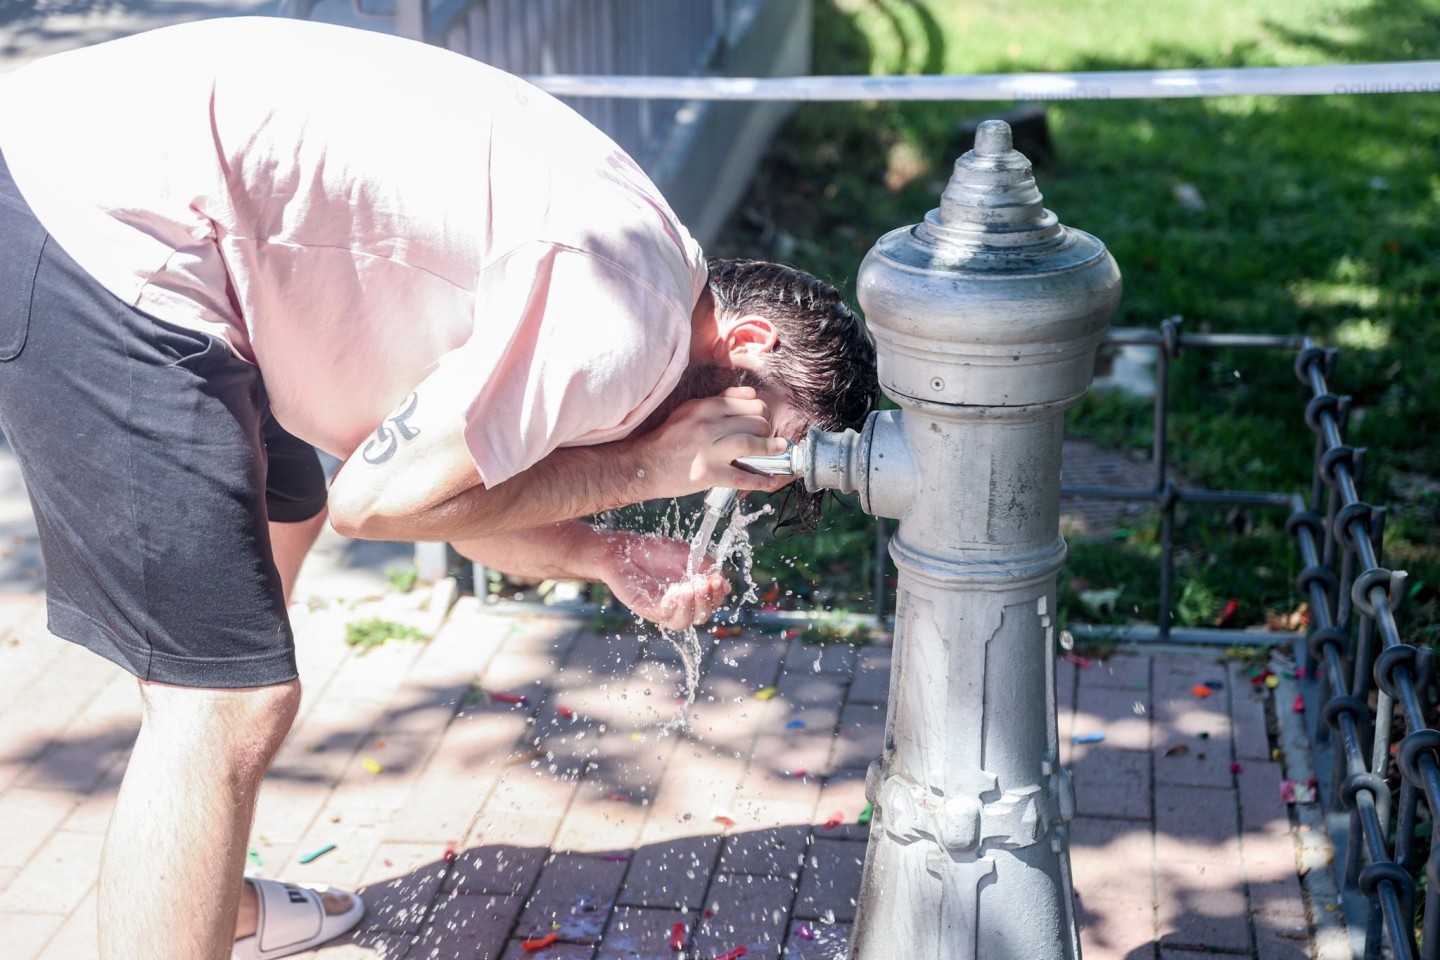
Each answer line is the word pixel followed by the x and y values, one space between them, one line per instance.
pixel 1272 681
pixel 765 693
pixel 634 736
pixel 371 765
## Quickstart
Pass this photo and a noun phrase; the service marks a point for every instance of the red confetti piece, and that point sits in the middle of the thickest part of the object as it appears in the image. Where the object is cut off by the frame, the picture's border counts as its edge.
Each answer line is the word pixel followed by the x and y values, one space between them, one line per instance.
pixel 724 821
pixel 1231 606
pixel 565 712
pixel 799 773
pixel 1202 691
pixel 616 795
pixel 509 698
pixel 735 954
pixel 1299 705
pixel 834 821
pixel 677 937
pixel 1078 660
pixel 804 932
pixel 450 853
pixel 540 943
pixel 1235 768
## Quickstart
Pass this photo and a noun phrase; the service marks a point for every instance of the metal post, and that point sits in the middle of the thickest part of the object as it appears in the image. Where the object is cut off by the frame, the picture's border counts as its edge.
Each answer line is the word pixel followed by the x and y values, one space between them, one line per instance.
pixel 986 319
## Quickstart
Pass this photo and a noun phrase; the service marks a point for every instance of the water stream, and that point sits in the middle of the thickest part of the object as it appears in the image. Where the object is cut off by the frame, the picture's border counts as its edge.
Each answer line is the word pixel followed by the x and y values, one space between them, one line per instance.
pixel 734 546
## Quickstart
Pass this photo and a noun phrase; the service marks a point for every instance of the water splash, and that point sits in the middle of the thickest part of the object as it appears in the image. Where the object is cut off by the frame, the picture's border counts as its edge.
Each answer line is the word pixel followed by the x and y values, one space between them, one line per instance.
pixel 735 547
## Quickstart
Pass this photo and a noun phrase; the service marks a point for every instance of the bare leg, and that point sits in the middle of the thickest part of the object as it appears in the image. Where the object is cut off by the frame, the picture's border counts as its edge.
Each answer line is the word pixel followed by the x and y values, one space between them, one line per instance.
pixel 290 542
pixel 177 837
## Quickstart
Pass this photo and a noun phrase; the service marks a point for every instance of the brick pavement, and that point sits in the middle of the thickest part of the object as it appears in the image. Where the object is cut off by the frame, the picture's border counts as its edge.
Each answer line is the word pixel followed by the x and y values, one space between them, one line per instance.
pixel 578 812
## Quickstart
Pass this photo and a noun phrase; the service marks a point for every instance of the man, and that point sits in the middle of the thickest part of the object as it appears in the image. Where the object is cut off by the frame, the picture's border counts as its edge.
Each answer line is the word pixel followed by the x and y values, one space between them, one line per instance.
pixel 220 237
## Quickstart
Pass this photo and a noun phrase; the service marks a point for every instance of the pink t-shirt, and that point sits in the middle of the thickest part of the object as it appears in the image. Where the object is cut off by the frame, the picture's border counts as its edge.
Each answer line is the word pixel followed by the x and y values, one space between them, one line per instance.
pixel 349 210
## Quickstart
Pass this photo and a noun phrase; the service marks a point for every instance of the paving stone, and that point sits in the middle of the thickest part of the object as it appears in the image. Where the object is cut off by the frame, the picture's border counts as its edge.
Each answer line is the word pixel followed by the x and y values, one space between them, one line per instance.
pixel 1112 783
pixel 1116 929
pixel 814 702
pixel 639 934
pixel 499 868
pixel 78 937
pixel 1201 905
pixel 752 660
pixel 1282 938
pixel 814 940
pixel 862 736
pixel 103 731
pixel 844 793
pixel 401 884
pixel 30 816
pixel 1112 859
pixel 1196 824
pixel 772 852
pixel 38 717
pixel 468 926
pixel 27 933
pixel 818 658
pixel 515 950
pixel 872 675
pixel 1261 809
pixel 672 874
pixel 57 877
pixel 745 910
pixel 576 893
pixel 830 880
pixel 1248 714
pixel 1127 673
pixel 1187 760
pixel 1121 716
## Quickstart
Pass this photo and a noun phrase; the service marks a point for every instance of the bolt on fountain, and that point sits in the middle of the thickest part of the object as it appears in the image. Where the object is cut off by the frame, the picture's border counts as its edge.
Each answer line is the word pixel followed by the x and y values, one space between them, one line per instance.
pixel 986 319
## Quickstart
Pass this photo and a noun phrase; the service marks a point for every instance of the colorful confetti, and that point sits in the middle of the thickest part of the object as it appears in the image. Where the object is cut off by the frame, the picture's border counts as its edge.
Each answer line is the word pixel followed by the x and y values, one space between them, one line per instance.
pixel 371 765
pixel 765 693
pixel 316 854
pixel 539 943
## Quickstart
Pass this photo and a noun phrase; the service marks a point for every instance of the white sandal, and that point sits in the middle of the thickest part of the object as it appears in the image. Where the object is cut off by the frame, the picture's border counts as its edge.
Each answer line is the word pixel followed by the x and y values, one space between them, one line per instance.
pixel 293 919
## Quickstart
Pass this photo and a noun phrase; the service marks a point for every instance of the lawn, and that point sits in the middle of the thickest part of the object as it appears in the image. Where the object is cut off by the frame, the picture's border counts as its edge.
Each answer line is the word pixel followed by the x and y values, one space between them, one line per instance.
pixel 1318 217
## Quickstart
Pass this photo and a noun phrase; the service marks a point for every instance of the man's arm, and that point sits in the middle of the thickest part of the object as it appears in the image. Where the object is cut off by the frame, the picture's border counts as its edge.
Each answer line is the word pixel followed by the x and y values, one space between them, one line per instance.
pixel 646 573
pixel 415 479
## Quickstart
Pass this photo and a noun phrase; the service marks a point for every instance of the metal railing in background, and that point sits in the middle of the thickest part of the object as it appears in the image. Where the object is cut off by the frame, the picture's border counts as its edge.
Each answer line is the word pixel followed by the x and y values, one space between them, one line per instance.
pixel 1164 493
pixel 595 37
pixel 1369 693
pixel 1355 642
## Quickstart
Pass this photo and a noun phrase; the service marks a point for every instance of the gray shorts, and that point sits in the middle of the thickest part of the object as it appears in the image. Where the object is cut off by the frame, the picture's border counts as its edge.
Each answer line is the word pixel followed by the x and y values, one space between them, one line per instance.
pixel 153 468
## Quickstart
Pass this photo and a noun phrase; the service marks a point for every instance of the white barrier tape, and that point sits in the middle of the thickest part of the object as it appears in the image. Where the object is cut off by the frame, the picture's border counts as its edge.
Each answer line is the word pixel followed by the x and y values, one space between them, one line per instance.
pixel 1421 76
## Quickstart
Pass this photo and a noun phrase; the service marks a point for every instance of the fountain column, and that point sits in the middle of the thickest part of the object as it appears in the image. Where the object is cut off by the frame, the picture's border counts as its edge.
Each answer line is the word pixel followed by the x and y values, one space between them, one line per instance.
pixel 986 319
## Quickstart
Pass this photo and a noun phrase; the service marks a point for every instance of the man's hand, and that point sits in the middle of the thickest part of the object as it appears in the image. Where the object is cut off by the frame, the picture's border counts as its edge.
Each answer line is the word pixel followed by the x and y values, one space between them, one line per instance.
pixel 694 448
pixel 647 574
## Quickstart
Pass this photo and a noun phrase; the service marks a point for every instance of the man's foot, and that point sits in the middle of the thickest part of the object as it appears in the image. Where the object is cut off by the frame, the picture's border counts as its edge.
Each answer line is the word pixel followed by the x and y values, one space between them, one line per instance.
pixel 279 919
pixel 247 922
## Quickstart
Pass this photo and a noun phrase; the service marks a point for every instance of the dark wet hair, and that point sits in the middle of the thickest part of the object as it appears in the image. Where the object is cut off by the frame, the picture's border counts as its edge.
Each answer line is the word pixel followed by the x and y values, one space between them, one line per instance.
pixel 823 355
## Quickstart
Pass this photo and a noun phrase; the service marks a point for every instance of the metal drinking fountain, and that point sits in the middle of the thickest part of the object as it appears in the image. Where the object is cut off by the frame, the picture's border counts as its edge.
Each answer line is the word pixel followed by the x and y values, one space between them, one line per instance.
pixel 986 319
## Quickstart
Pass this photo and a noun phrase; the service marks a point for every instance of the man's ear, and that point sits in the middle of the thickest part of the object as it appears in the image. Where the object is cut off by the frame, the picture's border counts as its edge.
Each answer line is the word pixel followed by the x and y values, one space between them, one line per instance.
pixel 745 342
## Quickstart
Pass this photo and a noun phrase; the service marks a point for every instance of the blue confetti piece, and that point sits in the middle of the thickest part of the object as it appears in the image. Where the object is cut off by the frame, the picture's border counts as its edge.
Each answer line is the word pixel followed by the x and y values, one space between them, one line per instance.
pixel 794 724
pixel 1088 738
pixel 1214 684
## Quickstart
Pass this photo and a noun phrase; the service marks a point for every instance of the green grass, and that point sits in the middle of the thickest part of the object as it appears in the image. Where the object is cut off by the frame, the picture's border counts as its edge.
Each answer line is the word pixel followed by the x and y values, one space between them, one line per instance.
pixel 1320 218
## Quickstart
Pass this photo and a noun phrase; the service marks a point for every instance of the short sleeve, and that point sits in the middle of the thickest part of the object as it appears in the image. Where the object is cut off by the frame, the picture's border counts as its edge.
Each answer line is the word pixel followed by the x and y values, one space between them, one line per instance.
pixel 571 349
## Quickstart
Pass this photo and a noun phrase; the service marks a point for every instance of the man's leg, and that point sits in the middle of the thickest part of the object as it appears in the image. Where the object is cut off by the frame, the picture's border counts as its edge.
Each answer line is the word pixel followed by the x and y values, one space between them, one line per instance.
pixel 290 542
pixel 178 835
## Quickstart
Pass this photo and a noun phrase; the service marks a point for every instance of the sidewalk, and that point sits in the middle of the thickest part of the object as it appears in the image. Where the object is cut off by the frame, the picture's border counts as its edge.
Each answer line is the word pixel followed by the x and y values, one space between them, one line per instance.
pixel 574 811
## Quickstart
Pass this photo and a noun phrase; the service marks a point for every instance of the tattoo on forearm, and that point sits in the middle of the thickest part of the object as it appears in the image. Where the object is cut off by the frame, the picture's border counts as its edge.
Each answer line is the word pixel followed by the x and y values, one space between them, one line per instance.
pixel 386 441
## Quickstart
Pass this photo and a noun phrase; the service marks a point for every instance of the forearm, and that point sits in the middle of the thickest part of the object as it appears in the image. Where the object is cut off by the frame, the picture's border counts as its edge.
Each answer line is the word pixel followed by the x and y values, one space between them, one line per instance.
pixel 569 483
pixel 569 550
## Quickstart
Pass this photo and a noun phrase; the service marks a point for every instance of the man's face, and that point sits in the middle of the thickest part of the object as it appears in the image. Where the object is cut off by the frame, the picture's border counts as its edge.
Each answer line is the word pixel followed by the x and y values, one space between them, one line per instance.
pixel 785 420
pixel 698 382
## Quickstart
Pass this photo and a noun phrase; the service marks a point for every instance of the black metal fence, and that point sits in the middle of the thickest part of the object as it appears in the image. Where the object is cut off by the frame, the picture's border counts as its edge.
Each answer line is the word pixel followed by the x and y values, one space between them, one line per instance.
pixel 1369 692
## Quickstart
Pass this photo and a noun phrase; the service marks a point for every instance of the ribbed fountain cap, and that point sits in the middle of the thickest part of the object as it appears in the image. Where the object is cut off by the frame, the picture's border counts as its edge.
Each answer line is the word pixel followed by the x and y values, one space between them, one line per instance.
pixel 991 203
